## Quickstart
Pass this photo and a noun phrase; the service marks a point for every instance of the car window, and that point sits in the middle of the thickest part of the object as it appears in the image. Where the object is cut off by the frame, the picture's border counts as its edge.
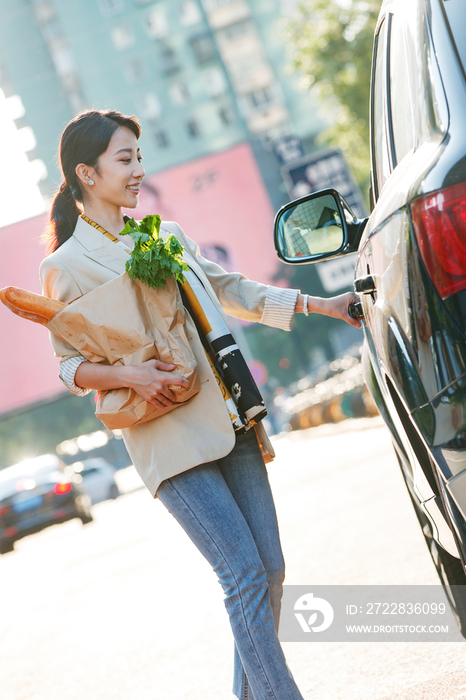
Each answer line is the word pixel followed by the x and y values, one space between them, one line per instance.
pixel 381 161
pixel 456 14
pixel 401 93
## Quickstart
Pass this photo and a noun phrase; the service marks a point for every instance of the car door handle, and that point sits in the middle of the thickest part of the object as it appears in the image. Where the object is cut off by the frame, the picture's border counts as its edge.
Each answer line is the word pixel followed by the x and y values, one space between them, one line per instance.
pixel 355 310
pixel 364 285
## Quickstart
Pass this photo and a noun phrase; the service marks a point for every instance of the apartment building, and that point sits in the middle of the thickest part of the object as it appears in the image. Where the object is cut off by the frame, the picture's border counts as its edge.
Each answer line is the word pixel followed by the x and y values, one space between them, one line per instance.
pixel 203 76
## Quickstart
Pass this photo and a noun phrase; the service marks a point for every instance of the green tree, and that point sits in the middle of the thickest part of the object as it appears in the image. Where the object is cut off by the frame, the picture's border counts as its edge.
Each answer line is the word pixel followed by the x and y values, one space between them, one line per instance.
pixel 330 44
pixel 39 429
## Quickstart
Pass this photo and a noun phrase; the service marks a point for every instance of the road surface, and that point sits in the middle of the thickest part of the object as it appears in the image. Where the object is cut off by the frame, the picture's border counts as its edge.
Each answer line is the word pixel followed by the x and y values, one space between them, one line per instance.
pixel 126 609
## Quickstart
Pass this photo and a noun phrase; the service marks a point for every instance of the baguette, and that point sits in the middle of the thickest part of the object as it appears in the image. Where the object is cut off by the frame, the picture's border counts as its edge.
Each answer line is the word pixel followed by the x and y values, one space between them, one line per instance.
pixel 34 307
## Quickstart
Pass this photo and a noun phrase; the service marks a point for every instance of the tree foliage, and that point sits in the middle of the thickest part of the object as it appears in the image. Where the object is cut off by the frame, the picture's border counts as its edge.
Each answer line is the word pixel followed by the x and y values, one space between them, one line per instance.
pixel 331 46
pixel 40 429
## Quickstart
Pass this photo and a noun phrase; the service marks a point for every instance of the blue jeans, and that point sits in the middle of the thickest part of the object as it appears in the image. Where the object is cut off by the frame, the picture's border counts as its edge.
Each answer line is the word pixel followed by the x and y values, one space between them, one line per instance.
pixel 226 508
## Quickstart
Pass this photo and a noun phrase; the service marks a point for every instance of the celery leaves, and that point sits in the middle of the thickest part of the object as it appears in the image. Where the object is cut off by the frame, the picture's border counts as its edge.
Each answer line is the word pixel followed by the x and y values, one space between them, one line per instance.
pixel 153 259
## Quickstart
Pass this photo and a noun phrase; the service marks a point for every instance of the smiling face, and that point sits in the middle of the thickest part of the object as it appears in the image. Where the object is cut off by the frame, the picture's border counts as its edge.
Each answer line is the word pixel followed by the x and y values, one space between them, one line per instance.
pixel 117 175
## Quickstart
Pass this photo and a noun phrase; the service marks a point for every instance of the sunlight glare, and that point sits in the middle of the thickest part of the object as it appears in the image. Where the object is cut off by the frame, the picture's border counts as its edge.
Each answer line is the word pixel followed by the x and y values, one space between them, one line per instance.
pixel 21 197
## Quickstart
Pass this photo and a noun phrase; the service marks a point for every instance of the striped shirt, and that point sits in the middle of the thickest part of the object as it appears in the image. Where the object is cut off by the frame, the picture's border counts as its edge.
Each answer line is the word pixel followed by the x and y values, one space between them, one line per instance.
pixel 278 313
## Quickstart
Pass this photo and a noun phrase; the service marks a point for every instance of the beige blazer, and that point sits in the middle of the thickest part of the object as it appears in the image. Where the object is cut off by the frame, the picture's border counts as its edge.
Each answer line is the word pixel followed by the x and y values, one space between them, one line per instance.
pixel 200 430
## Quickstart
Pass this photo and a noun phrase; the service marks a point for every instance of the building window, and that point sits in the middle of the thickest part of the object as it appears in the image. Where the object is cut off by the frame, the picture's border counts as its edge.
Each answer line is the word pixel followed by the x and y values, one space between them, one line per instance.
pixel 192 127
pixel 226 115
pixel 122 37
pixel 149 107
pixel 203 48
pixel 179 93
pixel 161 139
pixel 236 30
pixel 157 23
pixel 278 133
pixel 134 71
pixel 189 13
pixel 214 81
pixel 168 60
pixel 110 7
pixel 260 98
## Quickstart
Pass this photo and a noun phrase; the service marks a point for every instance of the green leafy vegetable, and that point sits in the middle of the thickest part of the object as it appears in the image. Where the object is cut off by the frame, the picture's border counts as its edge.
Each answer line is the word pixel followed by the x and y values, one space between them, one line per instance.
pixel 153 259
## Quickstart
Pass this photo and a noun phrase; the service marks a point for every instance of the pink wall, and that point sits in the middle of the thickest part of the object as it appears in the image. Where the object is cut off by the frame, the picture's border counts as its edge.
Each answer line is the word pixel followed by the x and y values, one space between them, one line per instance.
pixel 218 200
pixel 28 370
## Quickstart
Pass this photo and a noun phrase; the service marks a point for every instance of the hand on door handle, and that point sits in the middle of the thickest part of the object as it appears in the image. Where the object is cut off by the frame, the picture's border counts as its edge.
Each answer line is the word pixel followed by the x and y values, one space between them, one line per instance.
pixel 355 310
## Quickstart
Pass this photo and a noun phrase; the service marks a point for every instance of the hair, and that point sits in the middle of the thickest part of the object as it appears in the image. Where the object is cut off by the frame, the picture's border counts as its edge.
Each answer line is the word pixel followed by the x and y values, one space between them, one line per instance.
pixel 84 139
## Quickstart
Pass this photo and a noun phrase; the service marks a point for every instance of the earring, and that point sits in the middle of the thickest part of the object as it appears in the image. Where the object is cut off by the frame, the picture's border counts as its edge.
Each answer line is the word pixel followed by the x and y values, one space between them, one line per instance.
pixel 90 182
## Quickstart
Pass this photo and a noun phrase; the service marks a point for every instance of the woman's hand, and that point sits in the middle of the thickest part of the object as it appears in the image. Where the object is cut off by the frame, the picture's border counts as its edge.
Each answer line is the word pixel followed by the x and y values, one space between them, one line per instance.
pixel 337 307
pixel 152 380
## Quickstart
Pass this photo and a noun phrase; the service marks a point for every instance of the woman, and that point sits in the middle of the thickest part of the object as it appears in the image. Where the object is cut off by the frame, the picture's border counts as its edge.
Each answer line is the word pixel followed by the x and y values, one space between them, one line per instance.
pixel 212 481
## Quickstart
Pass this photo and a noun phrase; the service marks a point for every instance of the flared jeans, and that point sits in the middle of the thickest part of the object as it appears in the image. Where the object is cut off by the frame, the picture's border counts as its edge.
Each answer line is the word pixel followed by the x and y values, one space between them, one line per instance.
pixel 226 508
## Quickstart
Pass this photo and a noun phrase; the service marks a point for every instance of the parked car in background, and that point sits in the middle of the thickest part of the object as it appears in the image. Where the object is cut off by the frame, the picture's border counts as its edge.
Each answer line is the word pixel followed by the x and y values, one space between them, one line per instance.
pixel 35 494
pixel 411 264
pixel 98 478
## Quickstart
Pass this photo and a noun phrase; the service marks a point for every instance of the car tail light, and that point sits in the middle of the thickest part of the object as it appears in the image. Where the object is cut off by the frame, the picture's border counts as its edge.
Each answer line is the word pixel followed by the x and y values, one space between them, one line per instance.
pixel 62 488
pixel 439 221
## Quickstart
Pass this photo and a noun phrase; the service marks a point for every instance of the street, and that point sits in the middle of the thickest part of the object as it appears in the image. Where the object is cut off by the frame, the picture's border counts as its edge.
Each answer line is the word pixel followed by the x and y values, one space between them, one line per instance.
pixel 126 609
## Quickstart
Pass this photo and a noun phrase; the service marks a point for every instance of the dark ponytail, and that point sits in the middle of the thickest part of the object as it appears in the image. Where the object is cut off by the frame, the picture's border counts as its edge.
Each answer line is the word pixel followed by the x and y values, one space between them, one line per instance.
pixel 63 217
pixel 84 139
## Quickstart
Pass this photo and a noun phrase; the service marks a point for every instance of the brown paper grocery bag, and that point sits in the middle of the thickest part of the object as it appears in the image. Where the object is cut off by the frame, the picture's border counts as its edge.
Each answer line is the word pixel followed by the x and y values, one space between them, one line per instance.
pixel 125 321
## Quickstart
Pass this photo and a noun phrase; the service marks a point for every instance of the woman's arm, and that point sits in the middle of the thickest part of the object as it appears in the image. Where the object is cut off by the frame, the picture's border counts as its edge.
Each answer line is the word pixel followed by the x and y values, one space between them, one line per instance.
pixel 252 301
pixel 239 296
pixel 151 380
pixel 336 307
pixel 57 283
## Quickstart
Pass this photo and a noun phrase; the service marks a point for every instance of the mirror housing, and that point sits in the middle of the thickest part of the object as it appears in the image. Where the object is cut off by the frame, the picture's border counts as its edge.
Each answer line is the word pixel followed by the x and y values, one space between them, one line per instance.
pixel 319 226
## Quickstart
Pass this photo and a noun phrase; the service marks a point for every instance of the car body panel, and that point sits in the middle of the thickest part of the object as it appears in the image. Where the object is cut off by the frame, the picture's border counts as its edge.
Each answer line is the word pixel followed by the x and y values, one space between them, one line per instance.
pixel 414 356
pixel 415 341
pixel 98 478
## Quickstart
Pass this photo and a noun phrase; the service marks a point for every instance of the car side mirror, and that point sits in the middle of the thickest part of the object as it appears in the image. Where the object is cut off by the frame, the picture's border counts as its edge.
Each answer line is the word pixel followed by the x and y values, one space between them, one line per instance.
pixel 316 227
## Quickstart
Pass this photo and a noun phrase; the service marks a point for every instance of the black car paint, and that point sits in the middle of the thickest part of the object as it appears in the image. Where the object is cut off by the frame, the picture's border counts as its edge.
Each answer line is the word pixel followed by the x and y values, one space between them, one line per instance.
pixel 447 344
pixel 414 358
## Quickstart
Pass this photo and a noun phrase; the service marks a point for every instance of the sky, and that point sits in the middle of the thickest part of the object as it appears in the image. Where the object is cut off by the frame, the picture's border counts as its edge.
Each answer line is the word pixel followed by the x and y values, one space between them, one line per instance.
pixel 20 196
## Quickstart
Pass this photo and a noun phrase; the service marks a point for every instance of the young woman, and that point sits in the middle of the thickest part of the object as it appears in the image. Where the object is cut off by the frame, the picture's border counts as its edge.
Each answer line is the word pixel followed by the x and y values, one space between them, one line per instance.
pixel 212 480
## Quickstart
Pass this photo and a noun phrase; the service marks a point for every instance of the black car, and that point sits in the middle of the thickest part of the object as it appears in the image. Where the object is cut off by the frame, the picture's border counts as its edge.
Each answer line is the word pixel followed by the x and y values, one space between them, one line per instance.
pixel 411 262
pixel 35 494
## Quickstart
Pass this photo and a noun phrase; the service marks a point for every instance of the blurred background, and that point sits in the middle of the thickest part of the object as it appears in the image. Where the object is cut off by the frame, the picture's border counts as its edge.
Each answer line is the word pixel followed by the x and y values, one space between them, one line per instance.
pixel 244 104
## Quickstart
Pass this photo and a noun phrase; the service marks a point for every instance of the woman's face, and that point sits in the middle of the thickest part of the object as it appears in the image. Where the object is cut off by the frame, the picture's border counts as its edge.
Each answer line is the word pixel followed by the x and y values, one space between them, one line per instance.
pixel 118 173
